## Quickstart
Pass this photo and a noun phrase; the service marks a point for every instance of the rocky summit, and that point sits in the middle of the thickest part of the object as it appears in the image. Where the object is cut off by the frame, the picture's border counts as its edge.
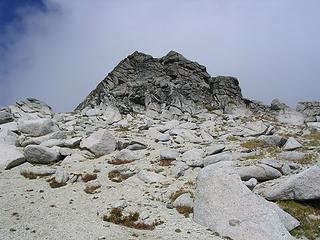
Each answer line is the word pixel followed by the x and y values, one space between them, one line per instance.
pixel 161 150
pixel 174 83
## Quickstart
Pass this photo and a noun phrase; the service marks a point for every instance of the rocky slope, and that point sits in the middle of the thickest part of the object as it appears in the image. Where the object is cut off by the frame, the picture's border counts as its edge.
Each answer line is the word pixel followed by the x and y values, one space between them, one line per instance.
pixel 122 168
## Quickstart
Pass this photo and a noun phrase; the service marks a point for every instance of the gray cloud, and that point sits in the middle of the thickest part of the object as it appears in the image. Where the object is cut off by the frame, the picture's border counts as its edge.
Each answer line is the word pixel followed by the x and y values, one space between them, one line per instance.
pixel 62 54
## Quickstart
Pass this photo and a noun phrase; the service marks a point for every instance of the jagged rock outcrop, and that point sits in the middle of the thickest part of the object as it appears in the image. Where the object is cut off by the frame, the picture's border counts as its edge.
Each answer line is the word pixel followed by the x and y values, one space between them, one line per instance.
pixel 310 109
pixel 141 82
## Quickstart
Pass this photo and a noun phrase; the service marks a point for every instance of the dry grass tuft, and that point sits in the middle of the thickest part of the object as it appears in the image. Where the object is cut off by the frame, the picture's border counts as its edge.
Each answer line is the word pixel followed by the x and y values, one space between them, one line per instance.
pixel 116 216
pixel 91 189
pixel 184 210
pixel 117 176
pixel 308 213
pixel 119 162
pixel 165 162
pixel 34 176
pixel 178 193
pixel 54 184
pixel 253 144
pixel 88 177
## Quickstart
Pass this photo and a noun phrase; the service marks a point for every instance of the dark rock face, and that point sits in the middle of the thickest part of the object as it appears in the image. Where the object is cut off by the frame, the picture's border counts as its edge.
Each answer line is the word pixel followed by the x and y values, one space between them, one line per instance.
pixel 141 82
pixel 310 109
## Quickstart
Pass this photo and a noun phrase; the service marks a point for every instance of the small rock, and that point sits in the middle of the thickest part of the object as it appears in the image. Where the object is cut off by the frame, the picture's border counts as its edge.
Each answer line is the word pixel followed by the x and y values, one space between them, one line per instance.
pixel 169 154
pixel 291 144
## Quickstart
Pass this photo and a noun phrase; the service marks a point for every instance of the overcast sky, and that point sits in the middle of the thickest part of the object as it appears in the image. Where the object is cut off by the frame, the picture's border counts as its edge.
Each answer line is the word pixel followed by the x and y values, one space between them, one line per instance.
pixel 60 50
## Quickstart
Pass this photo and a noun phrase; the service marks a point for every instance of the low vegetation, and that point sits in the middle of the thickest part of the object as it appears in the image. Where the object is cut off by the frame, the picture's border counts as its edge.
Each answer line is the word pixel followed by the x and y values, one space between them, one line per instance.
pixel 184 210
pixel 253 144
pixel 165 162
pixel 119 162
pixel 309 216
pixel 91 189
pixel 117 176
pixel 88 177
pixel 122 129
pixel 54 184
pixel 131 220
pixel 30 175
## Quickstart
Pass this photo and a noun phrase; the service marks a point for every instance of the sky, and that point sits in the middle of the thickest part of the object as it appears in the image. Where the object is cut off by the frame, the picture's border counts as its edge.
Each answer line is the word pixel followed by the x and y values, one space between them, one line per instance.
pixel 59 50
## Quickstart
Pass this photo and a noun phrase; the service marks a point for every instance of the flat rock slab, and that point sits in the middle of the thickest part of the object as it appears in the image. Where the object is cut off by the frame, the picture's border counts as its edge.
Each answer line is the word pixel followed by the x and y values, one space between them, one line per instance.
pixel 261 172
pixel 301 187
pixel 10 156
pixel 225 205
pixel 36 127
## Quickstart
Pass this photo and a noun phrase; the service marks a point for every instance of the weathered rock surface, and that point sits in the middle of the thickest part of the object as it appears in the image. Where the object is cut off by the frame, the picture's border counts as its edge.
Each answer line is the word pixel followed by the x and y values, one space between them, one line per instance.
pixel 143 82
pixel 291 144
pixel 5 115
pixel 302 186
pixel 36 127
pixel 310 109
pixel 100 142
pixel 225 205
pixel 10 156
pixel 261 172
pixel 41 154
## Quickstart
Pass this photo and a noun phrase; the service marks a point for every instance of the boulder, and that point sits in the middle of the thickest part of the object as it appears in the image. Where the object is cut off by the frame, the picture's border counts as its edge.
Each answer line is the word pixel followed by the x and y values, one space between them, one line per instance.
pixel 100 143
pixel 276 105
pixel 5 115
pixel 310 109
pixel 291 156
pixel 169 154
pixel 37 171
pixel 126 155
pixel 291 144
pixel 150 177
pixel 9 137
pixel 36 127
pixel 261 172
pixel 185 200
pixel 41 154
pixel 273 140
pixel 254 129
pixel 193 157
pixel 10 156
pixel 291 117
pixel 301 187
pixel 226 206
pixel 221 157
pixel 214 149
pixel 61 176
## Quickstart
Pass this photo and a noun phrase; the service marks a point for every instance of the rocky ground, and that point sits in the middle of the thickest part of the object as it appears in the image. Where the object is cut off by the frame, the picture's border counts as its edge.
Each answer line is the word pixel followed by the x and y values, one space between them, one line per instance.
pixel 150 171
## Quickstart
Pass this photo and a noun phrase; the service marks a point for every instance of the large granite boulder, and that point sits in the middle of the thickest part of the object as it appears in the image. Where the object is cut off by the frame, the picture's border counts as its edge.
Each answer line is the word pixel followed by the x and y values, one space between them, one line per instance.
pixel 225 205
pixel 141 82
pixel 36 127
pixel 100 143
pixel 301 187
pixel 10 156
pixel 41 154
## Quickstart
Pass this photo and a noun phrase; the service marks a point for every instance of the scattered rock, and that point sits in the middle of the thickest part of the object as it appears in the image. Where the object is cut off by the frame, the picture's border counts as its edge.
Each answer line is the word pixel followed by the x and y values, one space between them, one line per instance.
pixel 301 187
pixel 100 143
pixel 291 144
pixel 150 177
